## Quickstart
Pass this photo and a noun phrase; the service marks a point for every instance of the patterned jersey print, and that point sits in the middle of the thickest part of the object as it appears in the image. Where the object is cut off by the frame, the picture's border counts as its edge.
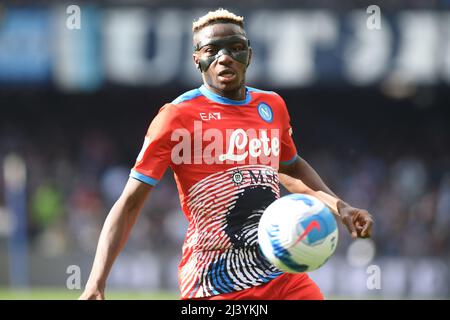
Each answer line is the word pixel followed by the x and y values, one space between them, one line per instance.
pixel 225 155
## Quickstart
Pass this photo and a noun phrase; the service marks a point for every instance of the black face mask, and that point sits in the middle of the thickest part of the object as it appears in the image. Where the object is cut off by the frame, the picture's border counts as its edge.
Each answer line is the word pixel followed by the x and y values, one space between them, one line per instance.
pixel 224 46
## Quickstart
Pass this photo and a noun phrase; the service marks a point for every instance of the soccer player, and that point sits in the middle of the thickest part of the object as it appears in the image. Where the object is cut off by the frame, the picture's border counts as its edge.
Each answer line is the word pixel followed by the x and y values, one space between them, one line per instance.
pixel 229 146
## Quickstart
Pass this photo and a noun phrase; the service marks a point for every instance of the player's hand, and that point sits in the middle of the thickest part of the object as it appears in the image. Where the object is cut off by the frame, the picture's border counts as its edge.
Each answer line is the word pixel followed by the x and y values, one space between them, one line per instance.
pixel 92 294
pixel 358 221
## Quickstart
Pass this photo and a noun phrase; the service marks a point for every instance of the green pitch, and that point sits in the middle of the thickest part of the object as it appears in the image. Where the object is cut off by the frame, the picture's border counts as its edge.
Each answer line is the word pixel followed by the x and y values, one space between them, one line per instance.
pixel 64 294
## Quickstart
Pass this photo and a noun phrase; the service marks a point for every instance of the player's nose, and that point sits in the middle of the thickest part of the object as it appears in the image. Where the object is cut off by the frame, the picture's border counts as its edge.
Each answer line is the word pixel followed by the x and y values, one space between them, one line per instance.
pixel 225 58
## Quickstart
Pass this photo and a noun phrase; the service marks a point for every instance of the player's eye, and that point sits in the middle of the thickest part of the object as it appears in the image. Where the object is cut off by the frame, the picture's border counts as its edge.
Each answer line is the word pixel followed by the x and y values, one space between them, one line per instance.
pixel 237 47
pixel 210 50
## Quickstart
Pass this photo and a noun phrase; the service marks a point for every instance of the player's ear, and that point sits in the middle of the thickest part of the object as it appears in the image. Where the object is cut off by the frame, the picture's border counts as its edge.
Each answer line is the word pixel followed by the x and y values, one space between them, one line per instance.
pixel 250 53
pixel 196 60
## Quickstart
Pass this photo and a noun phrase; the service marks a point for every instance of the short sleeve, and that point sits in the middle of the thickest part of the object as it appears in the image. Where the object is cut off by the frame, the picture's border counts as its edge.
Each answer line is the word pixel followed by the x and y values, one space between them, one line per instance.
pixel 288 152
pixel 155 155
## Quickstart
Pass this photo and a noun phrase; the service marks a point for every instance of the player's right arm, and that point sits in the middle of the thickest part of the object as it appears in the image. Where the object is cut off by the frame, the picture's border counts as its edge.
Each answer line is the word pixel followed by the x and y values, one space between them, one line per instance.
pixel 151 163
pixel 114 234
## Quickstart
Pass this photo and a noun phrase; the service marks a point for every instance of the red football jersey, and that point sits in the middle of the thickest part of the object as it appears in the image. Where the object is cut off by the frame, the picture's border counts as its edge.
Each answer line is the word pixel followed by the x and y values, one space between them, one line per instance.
pixel 225 155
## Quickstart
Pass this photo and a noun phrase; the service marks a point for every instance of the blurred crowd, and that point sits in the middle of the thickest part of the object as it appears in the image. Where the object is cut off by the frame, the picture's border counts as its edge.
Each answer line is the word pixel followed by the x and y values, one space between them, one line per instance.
pixel 265 3
pixel 72 184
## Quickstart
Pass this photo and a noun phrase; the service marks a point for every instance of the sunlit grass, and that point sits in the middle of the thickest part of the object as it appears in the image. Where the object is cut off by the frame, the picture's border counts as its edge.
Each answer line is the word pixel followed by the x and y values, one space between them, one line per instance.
pixel 65 294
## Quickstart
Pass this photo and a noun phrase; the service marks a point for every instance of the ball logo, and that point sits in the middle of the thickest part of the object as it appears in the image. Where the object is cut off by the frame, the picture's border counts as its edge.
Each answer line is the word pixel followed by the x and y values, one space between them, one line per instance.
pixel 312 225
pixel 265 112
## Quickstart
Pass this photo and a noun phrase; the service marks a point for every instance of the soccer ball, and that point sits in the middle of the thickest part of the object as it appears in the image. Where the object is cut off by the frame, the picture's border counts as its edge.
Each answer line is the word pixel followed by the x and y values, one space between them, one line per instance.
pixel 297 233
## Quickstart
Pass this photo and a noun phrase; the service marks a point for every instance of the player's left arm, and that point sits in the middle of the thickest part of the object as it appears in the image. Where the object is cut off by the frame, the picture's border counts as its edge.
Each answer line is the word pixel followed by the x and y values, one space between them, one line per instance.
pixel 300 177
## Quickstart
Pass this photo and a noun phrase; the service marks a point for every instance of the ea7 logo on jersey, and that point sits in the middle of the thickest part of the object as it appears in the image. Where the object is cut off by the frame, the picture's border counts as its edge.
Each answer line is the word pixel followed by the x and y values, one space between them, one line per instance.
pixel 210 116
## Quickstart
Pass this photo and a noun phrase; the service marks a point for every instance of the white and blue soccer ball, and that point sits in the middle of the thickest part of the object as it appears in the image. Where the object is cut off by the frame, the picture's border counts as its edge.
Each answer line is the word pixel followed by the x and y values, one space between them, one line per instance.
pixel 297 233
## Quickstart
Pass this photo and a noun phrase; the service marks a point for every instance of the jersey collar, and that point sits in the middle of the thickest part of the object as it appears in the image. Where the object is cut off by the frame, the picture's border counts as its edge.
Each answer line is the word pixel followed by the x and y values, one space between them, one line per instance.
pixel 219 99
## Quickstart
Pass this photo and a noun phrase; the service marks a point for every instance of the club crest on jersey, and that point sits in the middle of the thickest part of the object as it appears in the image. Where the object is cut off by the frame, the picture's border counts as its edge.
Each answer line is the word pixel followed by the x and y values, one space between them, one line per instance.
pixel 265 112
